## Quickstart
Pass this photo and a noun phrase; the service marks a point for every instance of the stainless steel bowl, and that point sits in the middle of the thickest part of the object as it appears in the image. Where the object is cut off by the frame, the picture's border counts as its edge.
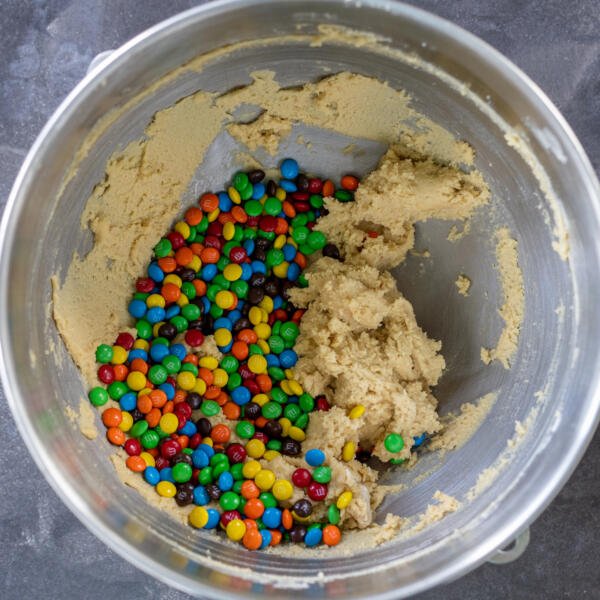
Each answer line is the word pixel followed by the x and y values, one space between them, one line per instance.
pixel 558 355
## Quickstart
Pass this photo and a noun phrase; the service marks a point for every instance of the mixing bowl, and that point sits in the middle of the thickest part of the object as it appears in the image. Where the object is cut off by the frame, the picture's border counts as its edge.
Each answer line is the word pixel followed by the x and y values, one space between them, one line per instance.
pixel 542 185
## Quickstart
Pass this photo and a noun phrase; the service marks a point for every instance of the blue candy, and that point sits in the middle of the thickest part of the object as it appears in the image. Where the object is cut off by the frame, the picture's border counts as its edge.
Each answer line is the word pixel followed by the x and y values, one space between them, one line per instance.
pixel 233 317
pixel 289 168
pixel 155 272
pixel 201 497
pixel 313 537
pixel 277 302
pixel 156 314
pixel 419 440
pixel 172 311
pixel 225 202
pixel 206 304
pixel 289 252
pixel 272 518
pixel 168 389
pixel 158 352
pixel 166 474
pixel 151 475
pixel 259 267
pixel 246 272
pixel 225 481
pixel 224 323
pixel 209 272
pixel 188 429
pixel 315 457
pixel 213 518
pixel 288 358
pixel 266 538
pixel 272 360
pixel 199 458
pixel 128 401
pixel 207 450
pixel 258 190
pixel 137 353
pixel 287 185
pixel 178 350
pixel 241 395
pixel 249 247
pixel 137 309
pixel 225 349
pixel 293 271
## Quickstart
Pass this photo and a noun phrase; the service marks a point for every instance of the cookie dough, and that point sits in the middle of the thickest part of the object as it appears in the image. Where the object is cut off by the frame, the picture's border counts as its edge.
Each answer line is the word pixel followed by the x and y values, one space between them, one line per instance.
pixel 359 342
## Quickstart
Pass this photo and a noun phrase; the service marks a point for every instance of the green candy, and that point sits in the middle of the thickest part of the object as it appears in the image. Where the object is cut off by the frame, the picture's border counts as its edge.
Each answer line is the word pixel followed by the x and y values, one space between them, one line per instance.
pixel 236 472
pixel 238 234
pixel 104 353
pixel 254 349
pixel 249 234
pixel 253 208
pixel 276 327
pixel 397 461
pixel 188 290
pixel 144 329
pixel 212 291
pixel 186 450
pixel 219 459
pixel 268 500
pixel 276 344
pixel 191 312
pixel 220 468
pixel 274 445
pixel 289 331
pixel 237 487
pixel 299 220
pixel 306 402
pixel 322 474
pixel 240 181
pixel 162 434
pixel 316 201
pixel 220 280
pixel 235 380
pixel 149 439
pixel 203 225
pixel 316 240
pixel 192 368
pixel 343 195
pixel 216 311
pixel 181 323
pixel 229 501
pixel 240 288
pixel 229 364
pixel 171 363
pixel 302 281
pixel 181 472
pixel 272 206
pixel 205 476
pixel 276 373
pixel 333 514
pixel 300 234
pixel 163 248
pixel 139 429
pixel 279 396
pixel 271 410
pixel 157 374
pixel 393 443
pixel 302 421
pixel 245 430
pixel 274 257
pixel 210 408
pixel 162 341
pixel 98 396
pixel 292 412
pixel 117 389
pixel 140 296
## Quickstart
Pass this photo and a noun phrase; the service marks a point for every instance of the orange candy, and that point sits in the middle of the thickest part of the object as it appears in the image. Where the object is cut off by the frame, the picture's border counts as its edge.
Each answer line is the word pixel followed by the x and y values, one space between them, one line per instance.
pixel 158 398
pixel 349 182
pixel 239 214
pixel 144 404
pixel 191 358
pixel 136 463
pixel 248 336
pixel 197 248
pixel 231 410
pixel 261 421
pixel 252 539
pixel 168 264
pixel 170 292
pixel 225 217
pixel 264 383
pixel 112 417
pixel 210 256
pixel 200 287
pixel 254 508
pixel 286 519
pixel 184 256
pixel 249 490
pixel 328 188
pixel 212 392
pixel 139 364
pixel 168 407
pixel 179 396
pixel 288 209
pixel 193 216
pixel 276 536
pixel 300 260
pixel 240 350
pixel 121 372
pixel 115 436
pixel 209 202
pixel 331 535
pixel 206 375
pixel 153 417
pixel 220 433
pixel 222 398
pixel 281 226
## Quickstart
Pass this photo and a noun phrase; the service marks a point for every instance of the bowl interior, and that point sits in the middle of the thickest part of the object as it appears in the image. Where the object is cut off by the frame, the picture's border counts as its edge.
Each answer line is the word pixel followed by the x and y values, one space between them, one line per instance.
pixel 556 353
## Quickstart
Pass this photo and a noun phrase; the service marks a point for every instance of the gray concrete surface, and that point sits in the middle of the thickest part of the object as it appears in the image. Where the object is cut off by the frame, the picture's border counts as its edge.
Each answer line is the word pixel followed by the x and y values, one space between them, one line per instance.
pixel 46 46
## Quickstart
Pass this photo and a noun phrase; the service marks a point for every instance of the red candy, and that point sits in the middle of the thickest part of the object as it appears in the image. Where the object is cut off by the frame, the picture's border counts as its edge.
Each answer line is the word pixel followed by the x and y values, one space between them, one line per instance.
pixel 106 374
pixel 267 223
pixel 176 239
pixel 230 515
pixel 236 453
pixel 317 491
pixel 321 403
pixel 301 478
pixel 133 447
pixel 144 285
pixel 169 449
pixel 126 340
pixel 194 338
pixel 237 255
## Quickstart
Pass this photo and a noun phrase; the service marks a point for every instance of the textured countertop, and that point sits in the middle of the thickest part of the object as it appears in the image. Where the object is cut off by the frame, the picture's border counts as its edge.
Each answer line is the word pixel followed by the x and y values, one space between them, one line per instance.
pixel 46 47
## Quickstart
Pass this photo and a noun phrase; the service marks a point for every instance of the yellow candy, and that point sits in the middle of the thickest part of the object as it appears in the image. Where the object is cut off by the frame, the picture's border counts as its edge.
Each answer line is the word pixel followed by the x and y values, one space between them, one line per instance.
pixel 235 530
pixel 281 270
pixel 255 448
pixel 260 399
pixel 182 301
pixel 143 392
pixel 271 454
pixel 119 355
pixel 357 412
pixel 183 228
pixel 255 315
pixel 224 299
pixel 148 459
pixel 199 386
pixel 208 441
pixel 282 489
pixel 199 517
pixel 208 362
pixel 228 231
pixel 251 469
pixel 267 305
pixel 232 272
pixel 186 381
pixel 169 423
pixel 296 433
pixel 265 479
pixel 136 381
pixel 214 215
pixel 156 327
pixel 285 386
pixel 196 263
pixel 126 421
pixel 220 377
pixel 155 300
pixel 141 344
pixel 289 373
pixel 222 336
pixel 280 194
pixel 257 364
pixel 172 278
pixel 344 500
pixel 296 388
pixel 279 242
pixel 234 195
pixel 292 242
pixel 263 331
pixel 348 451
pixel 285 425
pixel 262 344
pixel 166 489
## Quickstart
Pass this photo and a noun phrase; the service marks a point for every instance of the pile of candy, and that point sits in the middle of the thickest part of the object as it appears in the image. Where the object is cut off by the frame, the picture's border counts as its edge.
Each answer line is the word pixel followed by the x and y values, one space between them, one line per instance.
pixel 226 270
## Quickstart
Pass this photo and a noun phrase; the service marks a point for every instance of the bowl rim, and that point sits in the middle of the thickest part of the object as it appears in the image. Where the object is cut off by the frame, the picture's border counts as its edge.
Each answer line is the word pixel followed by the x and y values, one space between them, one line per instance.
pixel 454 567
